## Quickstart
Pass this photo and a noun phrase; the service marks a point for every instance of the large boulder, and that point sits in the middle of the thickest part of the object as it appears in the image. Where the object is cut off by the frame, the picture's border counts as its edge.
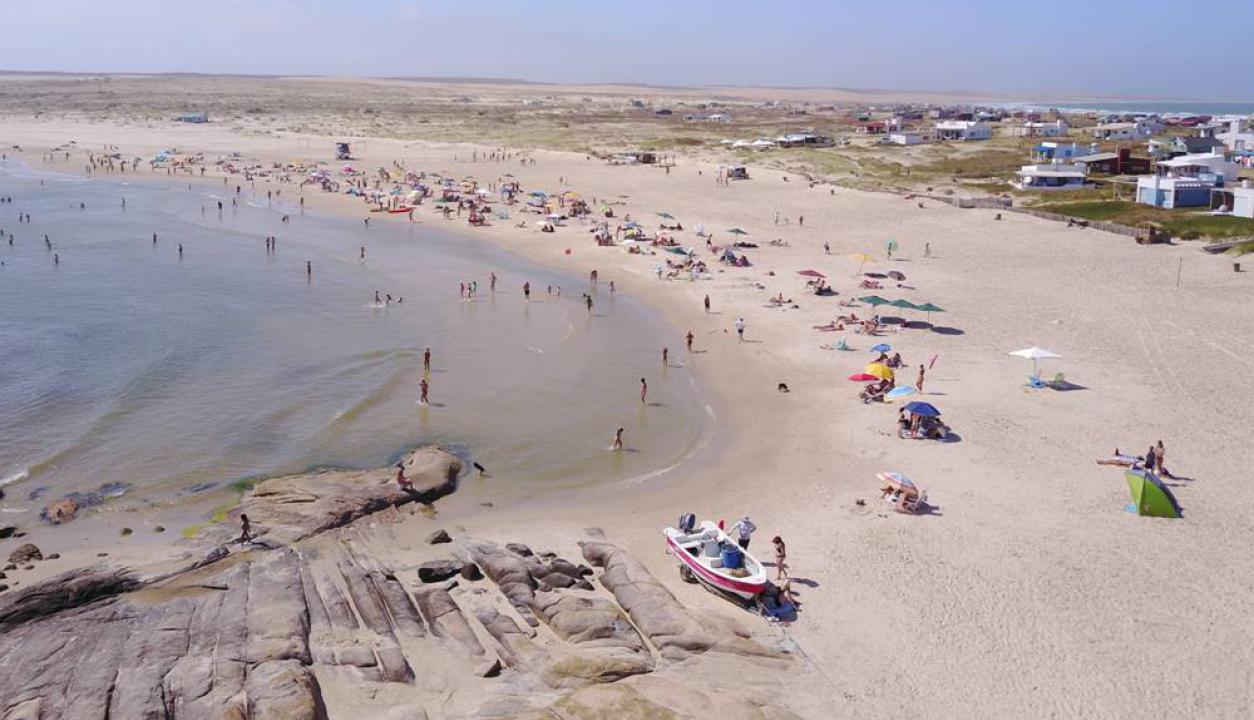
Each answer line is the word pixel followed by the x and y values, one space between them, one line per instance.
pixel 25 553
pixel 434 571
pixel 291 508
pixel 68 590
pixel 676 632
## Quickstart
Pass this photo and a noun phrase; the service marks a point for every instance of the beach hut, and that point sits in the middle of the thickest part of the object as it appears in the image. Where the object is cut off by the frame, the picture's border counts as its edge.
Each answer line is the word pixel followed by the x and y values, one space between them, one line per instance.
pixel 1150 497
pixel 737 172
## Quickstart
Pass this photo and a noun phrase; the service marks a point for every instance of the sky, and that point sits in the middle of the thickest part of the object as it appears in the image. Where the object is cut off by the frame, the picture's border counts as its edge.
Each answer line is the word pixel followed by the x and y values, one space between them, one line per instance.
pixel 1061 49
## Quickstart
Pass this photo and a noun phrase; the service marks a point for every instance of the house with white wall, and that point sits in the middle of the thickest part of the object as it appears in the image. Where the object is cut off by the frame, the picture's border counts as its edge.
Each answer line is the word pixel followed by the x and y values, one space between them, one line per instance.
pixel 963 130
pixel 1057 128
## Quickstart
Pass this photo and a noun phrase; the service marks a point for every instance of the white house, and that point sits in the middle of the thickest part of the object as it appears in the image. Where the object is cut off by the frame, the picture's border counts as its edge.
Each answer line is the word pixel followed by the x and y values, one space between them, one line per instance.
pixel 1185 181
pixel 1057 128
pixel 1138 130
pixel 906 138
pixel 963 130
pixel 1051 176
pixel 1236 140
pixel 1243 201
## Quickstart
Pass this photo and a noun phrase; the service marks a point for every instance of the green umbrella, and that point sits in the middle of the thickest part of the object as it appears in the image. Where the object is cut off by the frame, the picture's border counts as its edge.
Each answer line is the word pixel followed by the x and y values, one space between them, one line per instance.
pixel 929 308
pixel 666 215
pixel 1150 496
pixel 903 304
pixel 737 231
pixel 873 300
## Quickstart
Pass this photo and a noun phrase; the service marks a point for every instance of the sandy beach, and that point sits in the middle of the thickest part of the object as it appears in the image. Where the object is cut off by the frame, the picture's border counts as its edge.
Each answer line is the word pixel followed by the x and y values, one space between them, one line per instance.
pixel 1029 590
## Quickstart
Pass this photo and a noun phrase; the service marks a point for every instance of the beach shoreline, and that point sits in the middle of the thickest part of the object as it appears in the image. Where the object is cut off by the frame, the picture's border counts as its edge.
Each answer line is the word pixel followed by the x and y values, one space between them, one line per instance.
pixel 1030 574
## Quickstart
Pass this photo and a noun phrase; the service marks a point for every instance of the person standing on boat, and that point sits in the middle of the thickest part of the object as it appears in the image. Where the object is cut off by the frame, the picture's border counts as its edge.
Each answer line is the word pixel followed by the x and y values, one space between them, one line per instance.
pixel 742 530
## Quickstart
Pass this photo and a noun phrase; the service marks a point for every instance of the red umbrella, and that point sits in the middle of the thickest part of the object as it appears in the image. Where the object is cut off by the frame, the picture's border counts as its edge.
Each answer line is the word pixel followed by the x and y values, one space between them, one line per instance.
pixel 811 273
pixel 863 377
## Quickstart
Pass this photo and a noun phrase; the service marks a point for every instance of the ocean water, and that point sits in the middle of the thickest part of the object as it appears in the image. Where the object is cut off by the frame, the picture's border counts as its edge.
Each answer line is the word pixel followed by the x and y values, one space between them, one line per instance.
pixel 1160 107
pixel 126 363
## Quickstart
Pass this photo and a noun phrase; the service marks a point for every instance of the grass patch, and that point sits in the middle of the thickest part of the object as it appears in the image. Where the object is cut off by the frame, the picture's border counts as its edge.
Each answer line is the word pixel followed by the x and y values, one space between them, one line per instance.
pixel 244 485
pixel 1240 249
pixel 1184 224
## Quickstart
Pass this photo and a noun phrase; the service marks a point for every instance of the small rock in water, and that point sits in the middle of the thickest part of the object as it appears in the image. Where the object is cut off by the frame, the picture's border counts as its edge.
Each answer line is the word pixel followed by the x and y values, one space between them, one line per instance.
pixel 471 571
pixel 439 536
pixel 53 556
pixel 126 531
pixel 7 531
pixel 59 511
pixel 24 554
pixel 159 528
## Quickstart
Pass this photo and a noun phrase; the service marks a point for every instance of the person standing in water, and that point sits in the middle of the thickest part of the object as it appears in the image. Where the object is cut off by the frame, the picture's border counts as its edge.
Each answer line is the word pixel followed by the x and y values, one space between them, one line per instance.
pixel 588 302
pixel 362 258
pixel 180 251
pixel 688 340
pixel 644 391
pixel 309 269
pixel 492 282
pixel 618 440
pixel 423 388
pixel 154 238
pixel 527 291
pixel 426 361
pixel 707 303
pixel 377 301
pixel 666 357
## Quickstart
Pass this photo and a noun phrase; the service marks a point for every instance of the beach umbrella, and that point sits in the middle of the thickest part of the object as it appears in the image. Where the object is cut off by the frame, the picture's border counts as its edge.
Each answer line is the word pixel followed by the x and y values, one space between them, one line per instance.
pixel 896 275
pixel 882 347
pixel 896 480
pixel 1150 497
pixel 666 215
pixel 737 231
pixel 922 408
pixel 811 273
pixel 929 308
pixel 901 391
pixel 862 377
pixel 903 304
pixel 1035 354
pixel 633 224
pixel 873 300
pixel 879 370
pixel 862 259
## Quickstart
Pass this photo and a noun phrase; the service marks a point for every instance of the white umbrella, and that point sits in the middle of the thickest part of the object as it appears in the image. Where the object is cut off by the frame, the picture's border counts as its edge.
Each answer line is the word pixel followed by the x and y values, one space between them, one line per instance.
pixel 1034 354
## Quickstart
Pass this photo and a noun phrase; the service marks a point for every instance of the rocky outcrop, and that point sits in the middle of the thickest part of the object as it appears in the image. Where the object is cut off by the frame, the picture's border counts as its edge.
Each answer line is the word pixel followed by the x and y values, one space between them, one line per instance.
pixel 68 590
pixel 25 553
pixel 446 618
pixel 434 571
pixel 676 632
pixel 289 509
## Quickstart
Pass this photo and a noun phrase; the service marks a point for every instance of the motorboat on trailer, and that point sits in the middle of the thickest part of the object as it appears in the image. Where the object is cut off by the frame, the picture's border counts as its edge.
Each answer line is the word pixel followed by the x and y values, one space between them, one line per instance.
pixel 707 555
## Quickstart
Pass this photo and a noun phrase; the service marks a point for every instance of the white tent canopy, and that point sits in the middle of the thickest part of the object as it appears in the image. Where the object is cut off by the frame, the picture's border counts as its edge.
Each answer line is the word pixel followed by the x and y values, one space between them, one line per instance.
pixel 1035 354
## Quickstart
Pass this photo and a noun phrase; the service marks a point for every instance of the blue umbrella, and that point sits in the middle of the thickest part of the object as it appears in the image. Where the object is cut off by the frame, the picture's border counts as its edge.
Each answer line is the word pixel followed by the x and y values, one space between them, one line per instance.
pixel 922 408
pixel 882 347
pixel 902 391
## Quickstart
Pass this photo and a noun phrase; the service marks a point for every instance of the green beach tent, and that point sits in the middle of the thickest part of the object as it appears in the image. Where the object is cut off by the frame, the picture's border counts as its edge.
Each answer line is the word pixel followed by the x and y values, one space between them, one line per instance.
pixel 1150 496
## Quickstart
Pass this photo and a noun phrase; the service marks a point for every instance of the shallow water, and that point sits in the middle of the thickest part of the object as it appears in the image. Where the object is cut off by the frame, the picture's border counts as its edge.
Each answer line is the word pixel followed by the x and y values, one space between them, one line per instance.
pixel 127 363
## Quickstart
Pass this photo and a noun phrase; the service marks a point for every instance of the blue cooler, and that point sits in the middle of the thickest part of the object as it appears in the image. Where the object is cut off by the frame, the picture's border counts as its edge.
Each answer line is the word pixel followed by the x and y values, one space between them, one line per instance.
pixel 732 557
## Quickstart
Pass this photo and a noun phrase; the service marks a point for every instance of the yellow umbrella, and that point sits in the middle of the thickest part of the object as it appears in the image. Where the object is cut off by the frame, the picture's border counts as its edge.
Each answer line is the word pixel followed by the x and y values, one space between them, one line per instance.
pixel 862 259
pixel 879 370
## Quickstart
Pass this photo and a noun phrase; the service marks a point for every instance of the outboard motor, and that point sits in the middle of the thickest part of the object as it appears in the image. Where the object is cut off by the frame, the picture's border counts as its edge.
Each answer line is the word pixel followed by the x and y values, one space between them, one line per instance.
pixel 687 523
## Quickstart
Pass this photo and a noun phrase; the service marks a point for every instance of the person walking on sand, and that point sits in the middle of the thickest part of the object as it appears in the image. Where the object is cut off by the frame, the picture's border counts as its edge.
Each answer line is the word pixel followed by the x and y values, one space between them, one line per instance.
pixel 666 357
pixel 527 291
pixel 927 249
pixel 618 440
pixel 827 249
pixel 707 303
pixel 362 257
pixel 426 361
pixel 781 558
pixel 740 329
pixel 644 391
pixel 918 382
pixel 492 282
pixel 309 269
pixel 588 301
pixel 423 388
pixel 742 530
pixel 688 340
